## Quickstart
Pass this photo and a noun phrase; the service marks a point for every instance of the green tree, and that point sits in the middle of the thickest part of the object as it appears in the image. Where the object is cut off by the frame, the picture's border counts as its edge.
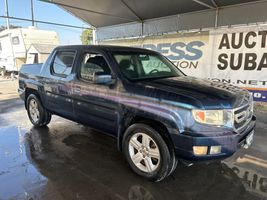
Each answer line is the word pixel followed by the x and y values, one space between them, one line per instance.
pixel 87 36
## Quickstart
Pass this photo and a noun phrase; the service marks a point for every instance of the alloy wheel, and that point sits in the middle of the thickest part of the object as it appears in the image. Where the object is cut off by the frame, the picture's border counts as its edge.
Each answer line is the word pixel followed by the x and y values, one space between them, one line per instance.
pixel 34 111
pixel 144 152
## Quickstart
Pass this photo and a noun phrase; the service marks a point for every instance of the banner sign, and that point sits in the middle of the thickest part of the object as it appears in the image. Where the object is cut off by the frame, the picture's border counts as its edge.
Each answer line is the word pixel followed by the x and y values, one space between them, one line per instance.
pixel 236 55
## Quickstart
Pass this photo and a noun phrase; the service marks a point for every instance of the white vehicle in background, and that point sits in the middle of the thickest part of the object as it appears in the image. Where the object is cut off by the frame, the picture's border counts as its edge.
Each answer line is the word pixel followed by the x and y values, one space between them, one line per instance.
pixel 15 43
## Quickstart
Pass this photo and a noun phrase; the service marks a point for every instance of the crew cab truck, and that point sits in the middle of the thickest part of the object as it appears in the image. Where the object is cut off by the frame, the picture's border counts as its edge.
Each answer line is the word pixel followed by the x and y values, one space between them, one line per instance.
pixel 157 114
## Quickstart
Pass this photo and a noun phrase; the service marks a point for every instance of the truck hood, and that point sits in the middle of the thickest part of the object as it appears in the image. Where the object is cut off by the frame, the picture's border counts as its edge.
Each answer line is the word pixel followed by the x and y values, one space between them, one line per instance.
pixel 196 92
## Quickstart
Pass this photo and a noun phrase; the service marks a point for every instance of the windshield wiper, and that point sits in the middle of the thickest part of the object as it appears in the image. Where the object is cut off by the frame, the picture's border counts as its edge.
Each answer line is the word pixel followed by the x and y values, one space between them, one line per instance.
pixel 152 78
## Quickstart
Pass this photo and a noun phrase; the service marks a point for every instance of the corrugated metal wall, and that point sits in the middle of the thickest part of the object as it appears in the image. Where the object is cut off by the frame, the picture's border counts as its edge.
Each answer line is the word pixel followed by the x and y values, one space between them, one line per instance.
pixel 248 13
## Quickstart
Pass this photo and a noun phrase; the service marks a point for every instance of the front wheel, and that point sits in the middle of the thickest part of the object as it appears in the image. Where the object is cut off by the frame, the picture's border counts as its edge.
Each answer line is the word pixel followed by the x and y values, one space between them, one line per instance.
pixel 38 115
pixel 147 152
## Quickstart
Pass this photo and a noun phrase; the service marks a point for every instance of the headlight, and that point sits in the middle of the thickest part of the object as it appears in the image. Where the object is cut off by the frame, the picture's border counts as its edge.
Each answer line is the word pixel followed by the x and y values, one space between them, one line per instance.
pixel 214 117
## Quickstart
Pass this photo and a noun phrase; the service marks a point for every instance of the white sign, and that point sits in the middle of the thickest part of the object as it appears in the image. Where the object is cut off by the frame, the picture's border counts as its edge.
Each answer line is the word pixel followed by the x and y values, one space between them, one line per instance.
pixel 237 55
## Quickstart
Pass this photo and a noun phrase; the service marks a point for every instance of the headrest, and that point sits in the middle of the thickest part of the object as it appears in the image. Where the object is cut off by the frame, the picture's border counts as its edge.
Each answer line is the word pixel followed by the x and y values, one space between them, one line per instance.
pixel 67 60
pixel 125 64
pixel 97 60
pixel 100 62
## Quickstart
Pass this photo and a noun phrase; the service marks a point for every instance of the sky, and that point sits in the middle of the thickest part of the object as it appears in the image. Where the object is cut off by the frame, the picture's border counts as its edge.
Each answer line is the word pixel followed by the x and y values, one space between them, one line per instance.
pixel 45 12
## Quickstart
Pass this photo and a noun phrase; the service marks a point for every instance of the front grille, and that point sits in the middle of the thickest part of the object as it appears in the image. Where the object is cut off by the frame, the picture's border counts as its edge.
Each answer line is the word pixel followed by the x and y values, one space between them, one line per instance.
pixel 243 114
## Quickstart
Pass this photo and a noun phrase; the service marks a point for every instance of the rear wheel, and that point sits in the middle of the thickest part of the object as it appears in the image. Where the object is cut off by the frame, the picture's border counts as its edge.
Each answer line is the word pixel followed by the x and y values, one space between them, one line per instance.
pixel 37 114
pixel 146 152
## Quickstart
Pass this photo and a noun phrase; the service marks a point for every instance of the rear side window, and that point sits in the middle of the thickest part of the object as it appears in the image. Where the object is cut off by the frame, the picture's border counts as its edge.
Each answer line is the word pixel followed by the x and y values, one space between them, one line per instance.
pixel 63 63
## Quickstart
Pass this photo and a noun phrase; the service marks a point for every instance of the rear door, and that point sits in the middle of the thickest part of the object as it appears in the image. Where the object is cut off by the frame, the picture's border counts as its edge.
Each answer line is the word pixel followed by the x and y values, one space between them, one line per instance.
pixel 58 85
pixel 95 104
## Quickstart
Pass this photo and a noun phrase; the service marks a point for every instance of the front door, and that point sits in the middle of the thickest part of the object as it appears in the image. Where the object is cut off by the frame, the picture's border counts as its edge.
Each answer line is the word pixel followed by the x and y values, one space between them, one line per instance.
pixel 95 104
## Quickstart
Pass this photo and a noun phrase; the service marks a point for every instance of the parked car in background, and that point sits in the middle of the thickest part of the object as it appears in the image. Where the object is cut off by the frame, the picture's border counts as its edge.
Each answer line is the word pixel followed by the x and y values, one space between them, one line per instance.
pixel 157 114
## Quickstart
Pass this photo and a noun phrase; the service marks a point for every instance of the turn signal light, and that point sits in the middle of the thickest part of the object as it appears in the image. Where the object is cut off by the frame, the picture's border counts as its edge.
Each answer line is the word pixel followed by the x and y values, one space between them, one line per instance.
pixel 200 150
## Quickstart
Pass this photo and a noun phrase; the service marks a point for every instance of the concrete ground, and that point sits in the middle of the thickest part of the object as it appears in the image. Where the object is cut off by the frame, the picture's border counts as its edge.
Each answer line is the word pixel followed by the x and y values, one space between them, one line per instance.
pixel 69 161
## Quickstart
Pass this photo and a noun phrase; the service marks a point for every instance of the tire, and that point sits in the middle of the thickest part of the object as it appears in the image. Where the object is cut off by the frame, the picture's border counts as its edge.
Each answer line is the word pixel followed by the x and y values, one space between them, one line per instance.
pixel 174 159
pixel 147 153
pixel 37 114
pixel 174 162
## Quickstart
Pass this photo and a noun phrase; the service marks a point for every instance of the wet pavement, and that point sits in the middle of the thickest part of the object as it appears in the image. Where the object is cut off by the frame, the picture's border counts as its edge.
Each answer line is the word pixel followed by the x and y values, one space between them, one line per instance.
pixel 69 161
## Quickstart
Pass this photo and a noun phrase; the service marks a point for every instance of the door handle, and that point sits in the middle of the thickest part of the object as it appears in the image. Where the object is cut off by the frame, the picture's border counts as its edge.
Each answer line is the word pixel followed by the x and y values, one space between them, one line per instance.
pixel 77 90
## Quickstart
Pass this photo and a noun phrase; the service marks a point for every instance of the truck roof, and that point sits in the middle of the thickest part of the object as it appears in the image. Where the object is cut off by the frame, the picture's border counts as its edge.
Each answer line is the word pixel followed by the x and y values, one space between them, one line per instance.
pixel 107 48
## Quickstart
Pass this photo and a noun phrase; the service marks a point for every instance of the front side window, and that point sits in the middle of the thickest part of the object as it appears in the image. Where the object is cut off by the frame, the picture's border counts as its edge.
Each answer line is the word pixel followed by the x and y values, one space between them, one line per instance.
pixel 15 40
pixel 63 62
pixel 92 64
pixel 139 66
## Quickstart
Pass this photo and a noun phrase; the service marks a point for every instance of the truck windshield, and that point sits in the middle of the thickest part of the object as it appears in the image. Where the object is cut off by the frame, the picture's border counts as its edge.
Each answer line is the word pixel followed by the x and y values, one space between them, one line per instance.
pixel 142 66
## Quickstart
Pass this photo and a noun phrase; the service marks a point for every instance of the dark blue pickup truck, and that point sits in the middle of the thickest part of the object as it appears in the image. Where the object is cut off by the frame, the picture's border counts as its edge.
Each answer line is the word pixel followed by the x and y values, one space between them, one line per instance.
pixel 158 115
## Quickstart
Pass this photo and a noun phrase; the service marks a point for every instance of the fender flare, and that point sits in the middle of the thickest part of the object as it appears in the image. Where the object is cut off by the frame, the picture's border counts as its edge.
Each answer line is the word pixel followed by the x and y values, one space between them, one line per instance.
pixel 126 117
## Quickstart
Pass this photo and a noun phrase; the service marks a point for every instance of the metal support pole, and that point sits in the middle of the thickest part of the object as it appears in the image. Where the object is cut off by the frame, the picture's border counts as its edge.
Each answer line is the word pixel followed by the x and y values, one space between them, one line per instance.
pixel 94 36
pixel 142 29
pixel 7 14
pixel 32 12
pixel 216 18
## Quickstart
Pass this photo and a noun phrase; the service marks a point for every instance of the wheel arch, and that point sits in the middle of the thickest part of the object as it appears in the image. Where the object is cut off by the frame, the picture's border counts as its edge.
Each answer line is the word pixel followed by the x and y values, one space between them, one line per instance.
pixel 32 86
pixel 163 126
pixel 28 92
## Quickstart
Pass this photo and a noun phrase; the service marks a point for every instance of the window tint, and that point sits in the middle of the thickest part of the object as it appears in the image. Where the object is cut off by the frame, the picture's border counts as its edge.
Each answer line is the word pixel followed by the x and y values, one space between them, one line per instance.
pixel 154 64
pixel 137 66
pixel 63 62
pixel 93 64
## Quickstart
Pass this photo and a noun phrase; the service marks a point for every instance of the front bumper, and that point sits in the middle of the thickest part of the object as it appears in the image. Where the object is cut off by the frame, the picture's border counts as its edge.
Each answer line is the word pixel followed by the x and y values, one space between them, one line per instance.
pixel 230 143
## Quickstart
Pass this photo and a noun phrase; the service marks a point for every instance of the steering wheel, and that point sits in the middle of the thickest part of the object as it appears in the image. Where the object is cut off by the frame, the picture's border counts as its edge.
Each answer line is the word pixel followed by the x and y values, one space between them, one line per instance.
pixel 153 71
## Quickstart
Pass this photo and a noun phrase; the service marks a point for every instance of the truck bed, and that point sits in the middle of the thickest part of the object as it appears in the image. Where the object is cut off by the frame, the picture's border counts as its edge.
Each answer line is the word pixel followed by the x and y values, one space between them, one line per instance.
pixel 29 72
pixel 31 69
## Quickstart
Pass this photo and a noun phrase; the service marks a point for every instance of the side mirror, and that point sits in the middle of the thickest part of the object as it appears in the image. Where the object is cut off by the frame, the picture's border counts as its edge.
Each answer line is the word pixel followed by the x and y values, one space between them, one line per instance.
pixel 105 79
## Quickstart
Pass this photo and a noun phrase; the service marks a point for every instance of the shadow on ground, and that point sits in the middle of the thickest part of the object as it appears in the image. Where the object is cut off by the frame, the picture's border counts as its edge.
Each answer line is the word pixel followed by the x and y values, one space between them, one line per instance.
pixel 86 165
pixel 69 161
